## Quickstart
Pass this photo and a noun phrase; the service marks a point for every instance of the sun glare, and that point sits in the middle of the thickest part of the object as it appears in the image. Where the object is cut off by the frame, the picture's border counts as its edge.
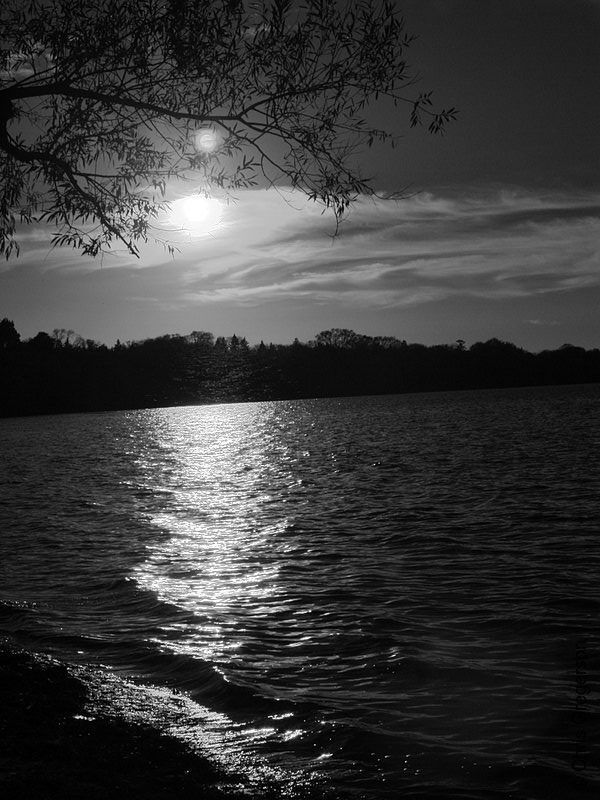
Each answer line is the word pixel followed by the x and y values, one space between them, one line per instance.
pixel 197 214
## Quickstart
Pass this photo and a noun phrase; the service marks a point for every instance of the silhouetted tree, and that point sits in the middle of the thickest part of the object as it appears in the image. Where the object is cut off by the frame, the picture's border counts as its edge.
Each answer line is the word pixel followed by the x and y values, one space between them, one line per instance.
pixel 337 337
pixel 201 339
pixel 103 102
pixel 42 343
pixel 63 337
pixel 498 363
pixel 9 337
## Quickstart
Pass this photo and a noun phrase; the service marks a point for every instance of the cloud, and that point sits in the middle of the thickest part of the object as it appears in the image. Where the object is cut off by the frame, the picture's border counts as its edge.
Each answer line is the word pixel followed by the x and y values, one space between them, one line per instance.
pixel 275 246
pixel 499 244
pixel 543 323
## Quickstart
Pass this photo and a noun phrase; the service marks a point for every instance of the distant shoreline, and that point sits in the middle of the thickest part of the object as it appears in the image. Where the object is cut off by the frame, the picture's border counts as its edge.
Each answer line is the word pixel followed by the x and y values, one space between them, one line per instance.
pixel 65 374
pixel 234 400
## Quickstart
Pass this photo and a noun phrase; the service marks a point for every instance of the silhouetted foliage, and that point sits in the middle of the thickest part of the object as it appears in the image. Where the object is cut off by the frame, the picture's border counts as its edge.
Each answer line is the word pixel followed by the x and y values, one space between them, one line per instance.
pixel 9 337
pixel 104 102
pixel 64 372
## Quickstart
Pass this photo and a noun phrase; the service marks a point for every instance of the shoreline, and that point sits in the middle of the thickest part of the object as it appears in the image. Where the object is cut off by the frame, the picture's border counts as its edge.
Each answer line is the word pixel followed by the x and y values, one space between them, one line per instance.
pixel 54 743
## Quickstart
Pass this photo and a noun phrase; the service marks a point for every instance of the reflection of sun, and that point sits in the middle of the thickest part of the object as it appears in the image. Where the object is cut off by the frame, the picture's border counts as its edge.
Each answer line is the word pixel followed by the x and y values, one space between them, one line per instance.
pixel 197 214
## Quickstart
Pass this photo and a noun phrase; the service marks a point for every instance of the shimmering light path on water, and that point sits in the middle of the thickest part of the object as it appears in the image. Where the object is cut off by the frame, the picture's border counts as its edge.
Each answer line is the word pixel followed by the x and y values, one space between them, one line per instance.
pixel 386 592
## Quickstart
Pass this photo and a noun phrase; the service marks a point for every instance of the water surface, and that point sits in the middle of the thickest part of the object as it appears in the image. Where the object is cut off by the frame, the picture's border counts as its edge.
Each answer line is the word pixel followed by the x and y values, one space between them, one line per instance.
pixel 375 596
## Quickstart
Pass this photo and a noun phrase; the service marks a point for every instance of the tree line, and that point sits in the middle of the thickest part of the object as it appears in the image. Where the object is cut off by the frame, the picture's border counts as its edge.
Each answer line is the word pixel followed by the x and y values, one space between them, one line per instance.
pixel 62 372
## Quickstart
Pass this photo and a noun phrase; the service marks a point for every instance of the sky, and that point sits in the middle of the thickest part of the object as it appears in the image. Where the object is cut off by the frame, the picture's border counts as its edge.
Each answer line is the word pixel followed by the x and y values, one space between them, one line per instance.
pixel 498 234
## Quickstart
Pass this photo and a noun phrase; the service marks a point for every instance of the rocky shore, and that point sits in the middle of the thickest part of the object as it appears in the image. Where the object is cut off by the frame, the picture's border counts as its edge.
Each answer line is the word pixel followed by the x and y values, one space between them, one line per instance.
pixel 52 746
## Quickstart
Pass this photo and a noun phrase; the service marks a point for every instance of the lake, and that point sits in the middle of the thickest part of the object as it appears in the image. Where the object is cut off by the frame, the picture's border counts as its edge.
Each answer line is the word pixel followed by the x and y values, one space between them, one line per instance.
pixel 366 597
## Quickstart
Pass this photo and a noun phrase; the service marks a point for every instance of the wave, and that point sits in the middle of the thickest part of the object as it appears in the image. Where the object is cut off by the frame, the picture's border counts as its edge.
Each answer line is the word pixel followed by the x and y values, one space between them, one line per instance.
pixel 25 625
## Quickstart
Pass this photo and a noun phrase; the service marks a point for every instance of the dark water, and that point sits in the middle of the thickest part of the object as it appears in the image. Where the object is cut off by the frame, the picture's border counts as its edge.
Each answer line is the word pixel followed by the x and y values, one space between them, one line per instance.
pixel 376 597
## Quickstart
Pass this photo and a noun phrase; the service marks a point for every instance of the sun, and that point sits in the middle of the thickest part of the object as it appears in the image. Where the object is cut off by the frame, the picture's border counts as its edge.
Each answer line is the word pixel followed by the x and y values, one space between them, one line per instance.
pixel 197 214
pixel 206 140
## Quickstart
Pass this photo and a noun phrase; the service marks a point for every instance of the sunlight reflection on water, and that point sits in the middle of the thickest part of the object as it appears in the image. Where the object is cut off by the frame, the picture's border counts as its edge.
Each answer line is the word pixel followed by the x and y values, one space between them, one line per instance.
pixel 216 559
pixel 221 561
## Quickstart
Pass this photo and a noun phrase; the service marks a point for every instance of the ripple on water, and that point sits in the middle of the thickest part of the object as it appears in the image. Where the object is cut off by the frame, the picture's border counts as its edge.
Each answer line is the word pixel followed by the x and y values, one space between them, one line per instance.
pixel 387 591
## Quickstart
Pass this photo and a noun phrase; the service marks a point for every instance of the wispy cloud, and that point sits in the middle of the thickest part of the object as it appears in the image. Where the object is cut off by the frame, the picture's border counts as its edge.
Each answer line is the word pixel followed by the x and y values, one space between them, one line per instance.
pixel 499 244
pixel 272 246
